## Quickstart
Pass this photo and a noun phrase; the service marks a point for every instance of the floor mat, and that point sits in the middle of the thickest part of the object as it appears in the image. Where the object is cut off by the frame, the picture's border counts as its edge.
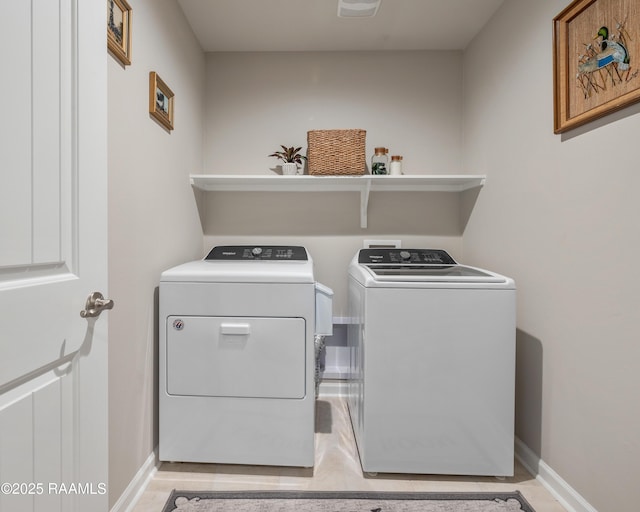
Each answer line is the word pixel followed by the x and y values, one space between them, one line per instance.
pixel 266 501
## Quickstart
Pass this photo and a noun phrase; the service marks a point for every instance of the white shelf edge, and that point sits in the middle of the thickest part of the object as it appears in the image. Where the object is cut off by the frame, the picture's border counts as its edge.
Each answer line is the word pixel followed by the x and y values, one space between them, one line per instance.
pixel 362 184
pixel 306 183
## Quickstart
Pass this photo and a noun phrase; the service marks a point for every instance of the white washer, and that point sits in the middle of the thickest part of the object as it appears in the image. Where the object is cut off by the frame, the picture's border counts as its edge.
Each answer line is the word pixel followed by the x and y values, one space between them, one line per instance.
pixel 237 358
pixel 432 348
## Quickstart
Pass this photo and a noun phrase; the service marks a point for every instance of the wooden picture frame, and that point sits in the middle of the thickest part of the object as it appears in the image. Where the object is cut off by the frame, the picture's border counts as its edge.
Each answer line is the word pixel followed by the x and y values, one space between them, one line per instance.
pixel 119 30
pixel 596 59
pixel 160 101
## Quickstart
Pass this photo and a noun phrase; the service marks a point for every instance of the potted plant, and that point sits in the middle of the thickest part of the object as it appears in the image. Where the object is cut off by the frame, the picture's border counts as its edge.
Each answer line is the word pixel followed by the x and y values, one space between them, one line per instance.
pixel 290 157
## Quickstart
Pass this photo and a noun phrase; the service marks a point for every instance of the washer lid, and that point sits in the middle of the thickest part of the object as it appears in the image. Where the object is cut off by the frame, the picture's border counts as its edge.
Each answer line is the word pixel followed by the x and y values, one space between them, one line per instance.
pixel 421 268
pixel 432 273
pixel 243 264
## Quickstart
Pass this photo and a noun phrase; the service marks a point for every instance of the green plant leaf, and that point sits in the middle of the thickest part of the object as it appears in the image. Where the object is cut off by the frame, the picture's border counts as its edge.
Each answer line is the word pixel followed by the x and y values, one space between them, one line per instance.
pixel 289 154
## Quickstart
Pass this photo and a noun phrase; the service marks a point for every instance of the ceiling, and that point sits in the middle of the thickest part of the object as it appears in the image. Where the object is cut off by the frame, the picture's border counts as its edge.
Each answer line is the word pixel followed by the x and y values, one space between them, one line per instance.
pixel 313 25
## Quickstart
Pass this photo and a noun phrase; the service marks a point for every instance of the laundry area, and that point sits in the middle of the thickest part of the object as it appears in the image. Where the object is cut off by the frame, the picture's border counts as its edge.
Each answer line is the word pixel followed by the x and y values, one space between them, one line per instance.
pixel 449 316
pixel 241 335
pixel 260 219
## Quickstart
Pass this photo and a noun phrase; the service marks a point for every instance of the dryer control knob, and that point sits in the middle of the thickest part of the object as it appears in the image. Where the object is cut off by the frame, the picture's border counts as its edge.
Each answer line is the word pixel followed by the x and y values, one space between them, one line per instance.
pixel 405 255
pixel 256 251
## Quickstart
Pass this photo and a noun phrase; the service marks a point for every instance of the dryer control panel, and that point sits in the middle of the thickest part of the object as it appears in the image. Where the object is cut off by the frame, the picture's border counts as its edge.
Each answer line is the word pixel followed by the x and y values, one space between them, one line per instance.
pixel 422 256
pixel 258 252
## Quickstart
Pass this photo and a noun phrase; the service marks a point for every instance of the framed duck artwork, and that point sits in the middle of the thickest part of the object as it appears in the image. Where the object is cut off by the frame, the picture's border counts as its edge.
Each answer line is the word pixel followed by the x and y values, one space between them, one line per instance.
pixel 596 60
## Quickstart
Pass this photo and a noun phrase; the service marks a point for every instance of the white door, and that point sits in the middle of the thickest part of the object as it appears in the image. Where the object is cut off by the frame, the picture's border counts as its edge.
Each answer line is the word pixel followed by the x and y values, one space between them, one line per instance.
pixel 53 378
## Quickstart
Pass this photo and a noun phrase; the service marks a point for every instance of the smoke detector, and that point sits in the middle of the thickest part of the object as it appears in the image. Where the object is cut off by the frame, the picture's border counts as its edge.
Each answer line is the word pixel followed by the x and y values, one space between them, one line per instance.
pixel 358 8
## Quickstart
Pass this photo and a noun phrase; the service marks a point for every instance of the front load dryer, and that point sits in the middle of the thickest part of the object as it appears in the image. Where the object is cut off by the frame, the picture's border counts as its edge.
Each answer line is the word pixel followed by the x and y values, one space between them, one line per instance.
pixel 432 347
pixel 237 358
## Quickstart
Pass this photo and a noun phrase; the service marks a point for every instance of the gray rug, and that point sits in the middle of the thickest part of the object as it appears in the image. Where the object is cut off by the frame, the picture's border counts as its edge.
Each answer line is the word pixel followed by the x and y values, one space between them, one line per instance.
pixel 283 501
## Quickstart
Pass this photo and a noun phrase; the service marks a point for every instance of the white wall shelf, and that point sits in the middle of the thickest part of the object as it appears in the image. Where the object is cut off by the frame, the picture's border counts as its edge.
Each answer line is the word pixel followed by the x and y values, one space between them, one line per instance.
pixel 362 184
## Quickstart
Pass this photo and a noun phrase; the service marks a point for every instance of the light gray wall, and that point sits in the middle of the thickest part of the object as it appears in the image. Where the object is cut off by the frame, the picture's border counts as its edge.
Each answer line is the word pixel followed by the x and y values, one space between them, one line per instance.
pixel 559 213
pixel 410 102
pixel 153 219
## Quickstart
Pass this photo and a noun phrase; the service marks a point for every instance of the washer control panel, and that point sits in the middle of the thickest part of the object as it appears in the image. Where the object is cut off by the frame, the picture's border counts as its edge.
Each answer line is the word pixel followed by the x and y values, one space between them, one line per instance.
pixel 399 256
pixel 258 252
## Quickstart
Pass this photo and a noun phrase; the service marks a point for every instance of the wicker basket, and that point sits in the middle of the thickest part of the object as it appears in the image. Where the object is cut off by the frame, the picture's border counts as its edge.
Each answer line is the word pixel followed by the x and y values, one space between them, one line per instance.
pixel 336 152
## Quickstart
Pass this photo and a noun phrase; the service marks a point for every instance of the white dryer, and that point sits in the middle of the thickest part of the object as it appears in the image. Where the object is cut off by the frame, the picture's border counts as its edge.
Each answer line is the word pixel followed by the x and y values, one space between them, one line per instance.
pixel 432 347
pixel 237 357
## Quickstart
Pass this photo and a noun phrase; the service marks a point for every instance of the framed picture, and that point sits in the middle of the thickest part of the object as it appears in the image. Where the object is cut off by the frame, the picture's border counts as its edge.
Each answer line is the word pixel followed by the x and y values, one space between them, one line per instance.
pixel 596 60
pixel 119 30
pixel 160 101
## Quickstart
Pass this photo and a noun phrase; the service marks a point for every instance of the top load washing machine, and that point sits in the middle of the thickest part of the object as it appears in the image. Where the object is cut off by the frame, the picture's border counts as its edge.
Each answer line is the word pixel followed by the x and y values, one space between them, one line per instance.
pixel 432 368
pixel 237 357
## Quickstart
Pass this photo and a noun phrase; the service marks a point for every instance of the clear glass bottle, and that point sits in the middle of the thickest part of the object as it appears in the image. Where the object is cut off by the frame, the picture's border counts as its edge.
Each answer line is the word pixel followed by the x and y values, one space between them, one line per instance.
pixel 395 167
pixel 380 161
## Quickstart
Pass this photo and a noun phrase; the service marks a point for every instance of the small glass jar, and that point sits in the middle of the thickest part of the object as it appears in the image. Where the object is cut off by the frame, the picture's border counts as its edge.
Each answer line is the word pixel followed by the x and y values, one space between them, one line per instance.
pixel 396 165
pixel 380 161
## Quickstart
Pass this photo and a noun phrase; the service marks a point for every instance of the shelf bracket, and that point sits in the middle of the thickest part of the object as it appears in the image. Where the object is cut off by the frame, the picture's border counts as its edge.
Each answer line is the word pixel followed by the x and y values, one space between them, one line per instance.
pixel 364 203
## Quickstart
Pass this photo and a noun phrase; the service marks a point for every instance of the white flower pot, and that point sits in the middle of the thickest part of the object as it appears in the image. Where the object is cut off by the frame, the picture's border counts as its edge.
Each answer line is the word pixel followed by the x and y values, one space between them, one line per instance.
pixel 289 168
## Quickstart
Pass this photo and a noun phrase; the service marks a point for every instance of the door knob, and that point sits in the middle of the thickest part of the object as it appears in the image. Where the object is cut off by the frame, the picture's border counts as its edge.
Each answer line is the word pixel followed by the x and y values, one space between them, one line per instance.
pixel 95 304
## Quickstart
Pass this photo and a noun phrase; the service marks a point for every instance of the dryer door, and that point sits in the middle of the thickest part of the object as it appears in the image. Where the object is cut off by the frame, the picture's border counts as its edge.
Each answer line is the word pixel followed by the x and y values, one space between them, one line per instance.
pixel 236 357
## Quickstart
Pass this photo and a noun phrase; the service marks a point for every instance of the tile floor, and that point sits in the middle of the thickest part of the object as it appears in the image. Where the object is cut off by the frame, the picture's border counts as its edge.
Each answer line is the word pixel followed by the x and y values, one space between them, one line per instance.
pixel 337 468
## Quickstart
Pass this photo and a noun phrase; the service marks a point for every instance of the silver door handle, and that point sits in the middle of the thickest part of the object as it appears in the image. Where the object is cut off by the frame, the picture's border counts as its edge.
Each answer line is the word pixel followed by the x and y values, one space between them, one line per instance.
pixel 95 304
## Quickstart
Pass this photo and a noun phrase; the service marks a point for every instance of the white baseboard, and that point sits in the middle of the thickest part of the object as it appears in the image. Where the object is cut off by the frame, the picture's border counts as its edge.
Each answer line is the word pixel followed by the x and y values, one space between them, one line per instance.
pixel 568 497
pixel 138 484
